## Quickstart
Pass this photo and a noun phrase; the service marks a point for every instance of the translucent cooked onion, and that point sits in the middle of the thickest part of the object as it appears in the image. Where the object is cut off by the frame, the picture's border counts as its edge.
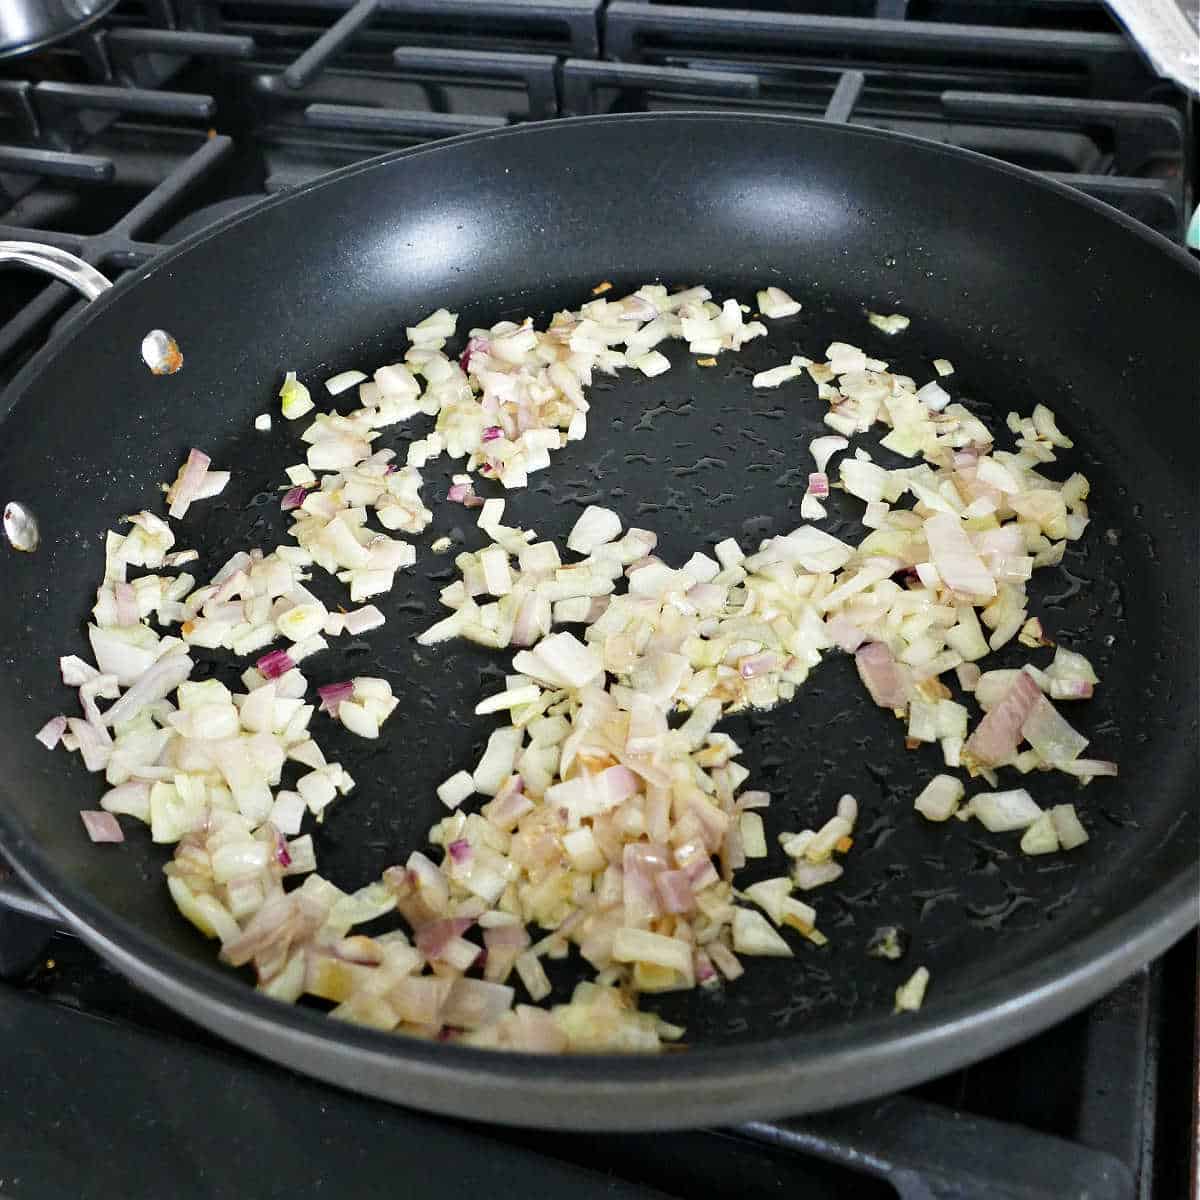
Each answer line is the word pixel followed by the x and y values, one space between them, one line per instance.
pixel 614 815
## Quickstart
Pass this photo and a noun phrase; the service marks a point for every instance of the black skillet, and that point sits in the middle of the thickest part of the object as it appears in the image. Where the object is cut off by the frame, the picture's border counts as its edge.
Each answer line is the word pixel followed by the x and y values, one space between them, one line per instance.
pixel 1034 292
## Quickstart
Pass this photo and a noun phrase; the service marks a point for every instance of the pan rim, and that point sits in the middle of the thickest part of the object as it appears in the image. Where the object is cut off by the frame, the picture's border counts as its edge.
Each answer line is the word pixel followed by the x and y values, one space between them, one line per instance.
pixel 898 1051
pixel 67 331
pixel 952 1031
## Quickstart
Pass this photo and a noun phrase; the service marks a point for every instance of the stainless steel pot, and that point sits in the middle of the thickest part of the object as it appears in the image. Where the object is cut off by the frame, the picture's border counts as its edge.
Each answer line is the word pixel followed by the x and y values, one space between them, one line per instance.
pixel 27 25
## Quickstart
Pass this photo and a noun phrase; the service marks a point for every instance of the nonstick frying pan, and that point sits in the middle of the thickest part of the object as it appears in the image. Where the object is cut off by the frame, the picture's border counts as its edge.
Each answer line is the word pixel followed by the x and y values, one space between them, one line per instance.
pixel 1035 293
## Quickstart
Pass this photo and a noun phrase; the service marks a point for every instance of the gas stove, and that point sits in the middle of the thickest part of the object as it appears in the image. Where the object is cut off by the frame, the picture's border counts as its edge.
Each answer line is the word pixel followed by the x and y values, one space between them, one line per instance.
pixel 154 118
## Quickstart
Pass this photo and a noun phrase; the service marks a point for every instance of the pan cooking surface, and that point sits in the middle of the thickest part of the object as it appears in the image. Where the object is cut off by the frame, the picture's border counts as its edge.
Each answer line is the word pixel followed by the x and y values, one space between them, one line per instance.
pixel 1020 287
pixel 698 455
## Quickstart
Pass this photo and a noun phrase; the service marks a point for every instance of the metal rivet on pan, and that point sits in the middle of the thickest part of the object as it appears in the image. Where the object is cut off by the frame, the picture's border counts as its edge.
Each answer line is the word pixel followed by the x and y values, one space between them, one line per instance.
pixel 21 527
pixel 160 352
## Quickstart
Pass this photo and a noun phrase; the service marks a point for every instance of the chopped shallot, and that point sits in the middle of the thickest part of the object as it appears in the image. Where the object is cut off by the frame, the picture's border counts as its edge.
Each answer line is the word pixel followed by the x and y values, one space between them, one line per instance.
pixel 603 820
pixel 102 826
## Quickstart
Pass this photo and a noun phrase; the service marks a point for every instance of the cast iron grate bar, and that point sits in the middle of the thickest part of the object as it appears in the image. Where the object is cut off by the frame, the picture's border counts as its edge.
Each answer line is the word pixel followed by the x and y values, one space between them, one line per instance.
pixel 582 77
pixel 396 122
pixel 1122 1047
pixel 56 164
pixel 579 19
pixel 536 71
pixel 845 96
pixel 64 110
pixel 312 62
pixel 1153 202
pixel 116 247
pixel 89 45
pixel 905 85
pixel 1140 132
pixel 574 23
pixel 927 1152
pixel 16 98
pixel 635 29
pixel 136 54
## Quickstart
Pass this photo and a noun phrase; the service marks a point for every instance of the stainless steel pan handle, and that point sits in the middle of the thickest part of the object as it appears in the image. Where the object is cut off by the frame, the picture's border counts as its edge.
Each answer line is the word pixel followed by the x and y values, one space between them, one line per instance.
pixel 82 276
pixel 90 283
pixel 20 525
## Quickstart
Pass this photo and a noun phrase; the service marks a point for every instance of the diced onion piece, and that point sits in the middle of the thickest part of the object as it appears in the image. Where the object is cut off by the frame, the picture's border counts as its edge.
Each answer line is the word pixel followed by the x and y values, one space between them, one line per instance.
pixel 362 620
pixel 76 672
pixel 956 559
pixel 561 660
pixel 1003 812
pixel 300 475
pixel 774 303
pixel 1041 837
pixel 1071 833
pixel 332 695
pixel 752 934
pixel 102 826
pixel 275 663
pixel 968 676
pixel 287 813
pixel 933 396
pixel 262 422
pixel 892 324
pixel 754 840
pixel 1089 768
pixel 811 509
pixel 498 760
pixel 911 995
pixel 343 381
pixel 771 895
pixel 824 448
pixel 294 398
pixel 773 377
pixel 512 698
pixel 844 358
pixel 807 876
pixel 356 718
pixel 188 482
pixel 1050 735
pixel 880 675
pixel 317 790
pixel 582 850
pixel 651 363
pixel 51 733
pixel 456 789
pixel 939 798
pixel 533 976
pixel 996 737
pixel 596 527
pixel 639 945
pixel 943 366
pixel 497 577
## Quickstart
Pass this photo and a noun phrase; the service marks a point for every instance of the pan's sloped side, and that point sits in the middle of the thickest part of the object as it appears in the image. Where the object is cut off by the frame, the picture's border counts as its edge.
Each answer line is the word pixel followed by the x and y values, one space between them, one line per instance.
pixel 1036 294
